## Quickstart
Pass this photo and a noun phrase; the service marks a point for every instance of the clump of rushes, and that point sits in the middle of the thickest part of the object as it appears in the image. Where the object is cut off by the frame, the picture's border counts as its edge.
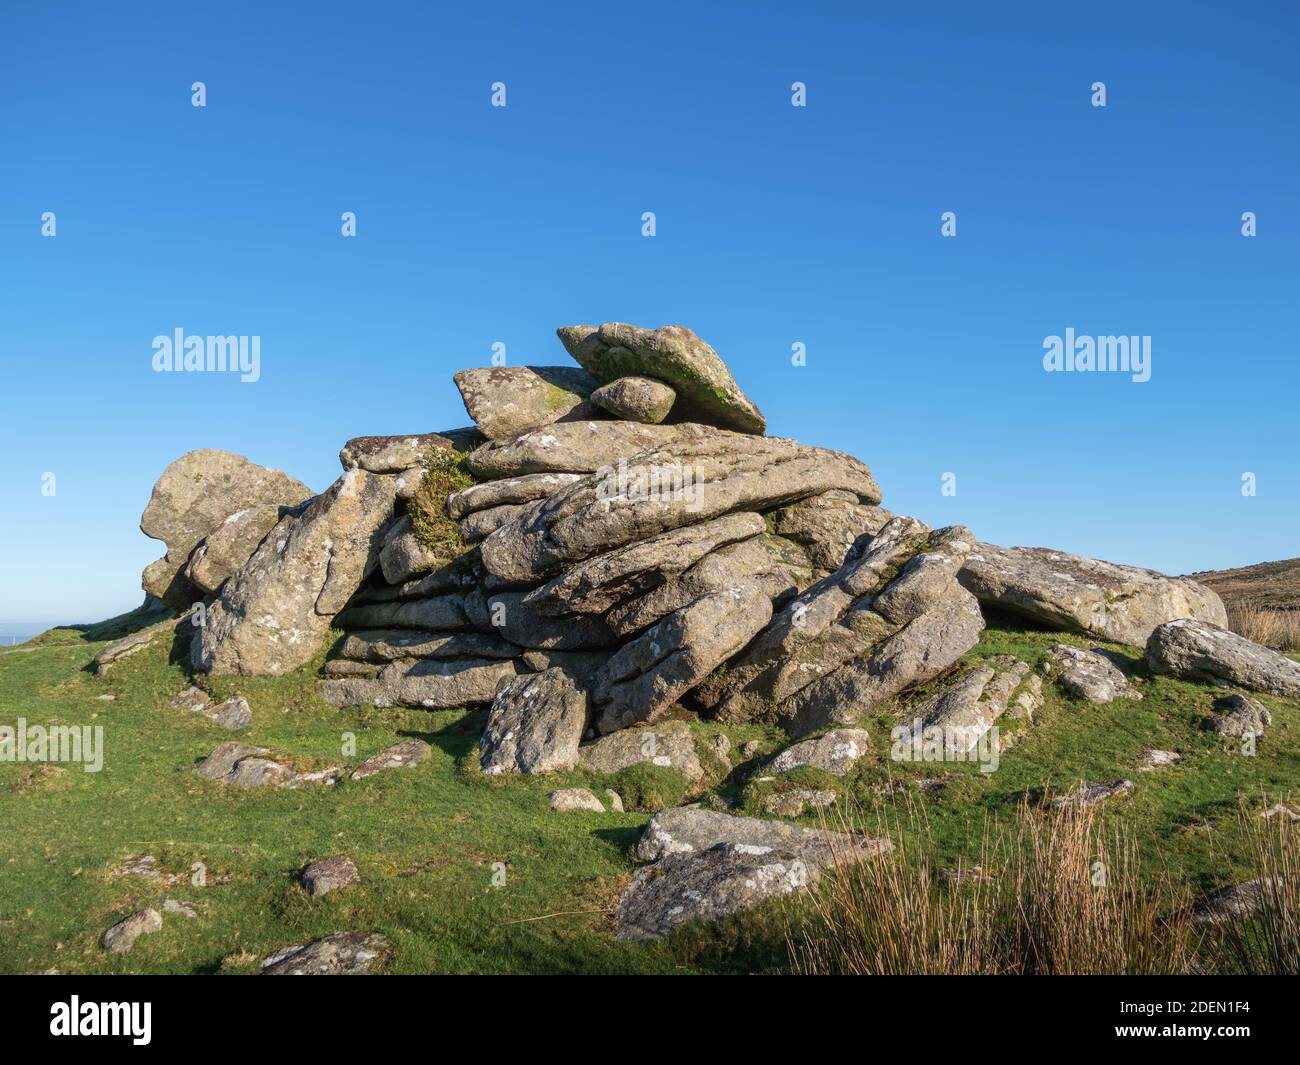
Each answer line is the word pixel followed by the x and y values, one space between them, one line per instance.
pixel 427 509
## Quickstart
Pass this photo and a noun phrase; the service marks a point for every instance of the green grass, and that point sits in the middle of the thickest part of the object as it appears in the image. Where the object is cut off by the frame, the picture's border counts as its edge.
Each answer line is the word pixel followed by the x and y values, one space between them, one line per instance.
pixel 426 839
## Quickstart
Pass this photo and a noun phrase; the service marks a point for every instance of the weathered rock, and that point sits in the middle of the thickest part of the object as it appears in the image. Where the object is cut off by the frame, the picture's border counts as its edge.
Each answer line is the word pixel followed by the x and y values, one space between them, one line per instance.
pixel 179 909
pixel 574 447
pixel 1155 759
pixel 329 874
pixel 1029 700
pixel 638 399
pixel 535 725
pixel 510 615
pixel 1114 602
pixel 439 613
pixel 684 483
pixel 1093 791
pixel 1239 717
pixel 342 954
pixel 173 628
pixel 918 652
pixel 274 615
pixel 595 585
pixel 686 830
pixel 793 801
pixel 391 645
pixel 1198 650
pixel 394 454
pixel 836 752
pixel 345 667
pixel 194 495
pixel 673 354
pixel 744 562
pixel 1239 900
pixel 401 755
pixel 122 936
pixel 826 525
pixel 483 523
pixel 244 766
pixel 233 713
pixel 404 556
pixel 806 638
pixel 1090 676
pixel 232 543
pixel 429 684
pixel 615 800
pixel 512 491
pixel 721 881
pixel 668 743
pixel 646 676
pixel 968 705
pixel 504 400
pixel 566 800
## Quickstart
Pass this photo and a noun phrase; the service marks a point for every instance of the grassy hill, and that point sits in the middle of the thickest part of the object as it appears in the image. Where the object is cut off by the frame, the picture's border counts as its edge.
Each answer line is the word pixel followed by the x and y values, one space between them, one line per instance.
pixel 427 840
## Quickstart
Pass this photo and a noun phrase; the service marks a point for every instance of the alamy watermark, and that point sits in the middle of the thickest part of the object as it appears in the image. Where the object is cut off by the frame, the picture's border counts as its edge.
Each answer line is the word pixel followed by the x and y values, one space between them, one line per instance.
pixel 53 743
pixel 179 353
pixel 1087 354
pixel 919 742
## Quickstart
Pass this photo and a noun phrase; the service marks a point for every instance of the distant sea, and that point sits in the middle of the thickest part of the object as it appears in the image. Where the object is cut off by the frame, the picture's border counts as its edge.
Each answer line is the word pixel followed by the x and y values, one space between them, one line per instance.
pixel 12 632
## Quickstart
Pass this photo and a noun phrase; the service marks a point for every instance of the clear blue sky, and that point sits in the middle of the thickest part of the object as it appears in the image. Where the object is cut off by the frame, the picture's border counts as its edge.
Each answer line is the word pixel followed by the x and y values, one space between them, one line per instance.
pixel 776 225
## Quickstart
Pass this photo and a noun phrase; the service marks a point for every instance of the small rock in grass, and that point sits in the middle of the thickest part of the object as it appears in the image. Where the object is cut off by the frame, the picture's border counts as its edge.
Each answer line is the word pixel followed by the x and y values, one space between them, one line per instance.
pixel 398 756
pixel 568 799
pixel 342 954
pixel 1239 900
pixel 180 909
pixel 615 800
pixel 329 874
pixel 1155 759
pixel 122 936
pixel 1093 791
pixel 1237 716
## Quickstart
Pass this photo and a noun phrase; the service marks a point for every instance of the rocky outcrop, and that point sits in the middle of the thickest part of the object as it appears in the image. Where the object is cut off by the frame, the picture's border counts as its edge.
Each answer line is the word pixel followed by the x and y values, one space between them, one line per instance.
pixel 396 454
pixel 890 617
pixel 665 488
pixel 1198 650
pixel 573 447
pixel 826 525
pixel 429 684
pixel 194 497
pixel 1102 599
pixel 686 830
pixel 273 616
pixel 706 391
pixel 504 400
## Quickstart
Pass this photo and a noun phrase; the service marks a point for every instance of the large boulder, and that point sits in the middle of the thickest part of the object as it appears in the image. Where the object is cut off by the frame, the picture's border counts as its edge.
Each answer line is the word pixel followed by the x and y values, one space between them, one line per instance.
pixel 706 391
pixel 1103 599
pixel 504 400
pixel 682 483
pixel 232 543
pixel 535 725
pixel 193 497
pixel 273 616
pixel 724 880
pixel 1198 650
